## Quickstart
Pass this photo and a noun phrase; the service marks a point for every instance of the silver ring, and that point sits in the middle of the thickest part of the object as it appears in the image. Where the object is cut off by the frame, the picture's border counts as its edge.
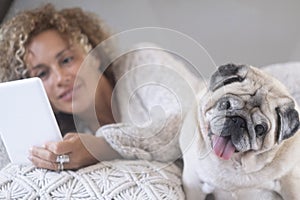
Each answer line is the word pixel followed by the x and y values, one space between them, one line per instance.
pixel 60 166
pixel 63 159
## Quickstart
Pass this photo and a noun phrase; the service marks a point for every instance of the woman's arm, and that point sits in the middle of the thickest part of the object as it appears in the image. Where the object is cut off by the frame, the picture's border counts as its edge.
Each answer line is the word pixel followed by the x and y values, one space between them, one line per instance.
pixel 153 91
pixel 83 150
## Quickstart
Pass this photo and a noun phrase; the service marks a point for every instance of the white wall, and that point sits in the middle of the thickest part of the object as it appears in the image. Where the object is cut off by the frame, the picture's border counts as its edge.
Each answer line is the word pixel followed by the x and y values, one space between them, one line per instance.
pixel 244 31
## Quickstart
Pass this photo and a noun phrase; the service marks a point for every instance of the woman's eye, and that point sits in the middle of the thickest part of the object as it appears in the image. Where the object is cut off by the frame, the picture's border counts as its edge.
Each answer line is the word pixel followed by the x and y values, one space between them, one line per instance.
pixel 67 60
pixel 42 74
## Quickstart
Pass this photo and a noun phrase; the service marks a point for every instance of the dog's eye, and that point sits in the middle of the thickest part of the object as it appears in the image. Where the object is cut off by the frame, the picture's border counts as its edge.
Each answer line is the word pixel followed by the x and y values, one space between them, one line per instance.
pixel 261 129
pixel 224 105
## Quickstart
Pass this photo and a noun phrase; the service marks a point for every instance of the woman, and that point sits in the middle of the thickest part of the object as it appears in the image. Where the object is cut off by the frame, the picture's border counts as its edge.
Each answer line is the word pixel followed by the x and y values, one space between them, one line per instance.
pixel 52 45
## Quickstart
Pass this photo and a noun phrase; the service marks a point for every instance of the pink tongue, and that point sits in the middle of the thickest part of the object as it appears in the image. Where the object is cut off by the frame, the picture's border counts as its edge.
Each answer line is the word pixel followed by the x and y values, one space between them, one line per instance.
pixel 223 147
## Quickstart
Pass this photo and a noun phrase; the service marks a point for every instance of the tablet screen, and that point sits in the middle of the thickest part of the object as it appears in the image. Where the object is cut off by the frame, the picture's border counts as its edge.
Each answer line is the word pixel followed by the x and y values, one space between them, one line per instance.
pixel 26 118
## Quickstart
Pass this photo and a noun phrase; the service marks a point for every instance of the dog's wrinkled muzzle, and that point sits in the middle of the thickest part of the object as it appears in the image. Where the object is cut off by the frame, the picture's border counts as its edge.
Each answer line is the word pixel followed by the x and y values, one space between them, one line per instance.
pixel 223 143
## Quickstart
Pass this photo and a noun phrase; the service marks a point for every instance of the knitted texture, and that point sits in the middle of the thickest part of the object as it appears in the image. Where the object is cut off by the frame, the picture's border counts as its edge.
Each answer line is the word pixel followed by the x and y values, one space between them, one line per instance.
pixel 106 180
pixel 154 91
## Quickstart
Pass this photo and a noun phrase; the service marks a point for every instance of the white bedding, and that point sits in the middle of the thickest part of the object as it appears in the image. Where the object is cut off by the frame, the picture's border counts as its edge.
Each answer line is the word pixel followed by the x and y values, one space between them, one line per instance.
pixel 107 180
pixel 117 179
pixel 289 75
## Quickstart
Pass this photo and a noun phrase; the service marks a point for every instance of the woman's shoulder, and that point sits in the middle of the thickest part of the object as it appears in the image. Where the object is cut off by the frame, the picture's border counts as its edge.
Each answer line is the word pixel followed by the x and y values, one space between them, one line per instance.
pixel 147 75
pixel 151 61
pixel 139 55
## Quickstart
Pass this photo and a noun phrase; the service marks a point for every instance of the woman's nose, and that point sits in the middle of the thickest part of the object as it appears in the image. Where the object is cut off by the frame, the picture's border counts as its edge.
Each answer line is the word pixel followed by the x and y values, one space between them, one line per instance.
pixel 62 76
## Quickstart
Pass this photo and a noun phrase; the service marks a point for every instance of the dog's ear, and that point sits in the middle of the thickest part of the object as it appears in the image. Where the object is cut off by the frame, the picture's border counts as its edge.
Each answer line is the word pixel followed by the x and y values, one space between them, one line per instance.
pixel 288 122
pixel 227 74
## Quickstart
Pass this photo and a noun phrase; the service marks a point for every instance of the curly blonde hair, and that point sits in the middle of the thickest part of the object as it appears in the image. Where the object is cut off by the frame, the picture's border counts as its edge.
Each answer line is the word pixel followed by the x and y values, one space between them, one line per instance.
pixel 83 28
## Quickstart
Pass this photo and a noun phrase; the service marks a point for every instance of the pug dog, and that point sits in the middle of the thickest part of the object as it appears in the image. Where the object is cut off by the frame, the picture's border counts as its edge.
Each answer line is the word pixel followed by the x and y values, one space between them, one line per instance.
pixel 241 140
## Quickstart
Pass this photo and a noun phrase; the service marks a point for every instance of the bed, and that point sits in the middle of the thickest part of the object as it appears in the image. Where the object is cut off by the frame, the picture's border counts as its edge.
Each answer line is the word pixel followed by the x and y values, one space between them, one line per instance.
pixel 119 179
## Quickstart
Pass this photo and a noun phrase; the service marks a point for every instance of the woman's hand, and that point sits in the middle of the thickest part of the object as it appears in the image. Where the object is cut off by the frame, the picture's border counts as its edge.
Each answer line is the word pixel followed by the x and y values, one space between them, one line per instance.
pixel 82 149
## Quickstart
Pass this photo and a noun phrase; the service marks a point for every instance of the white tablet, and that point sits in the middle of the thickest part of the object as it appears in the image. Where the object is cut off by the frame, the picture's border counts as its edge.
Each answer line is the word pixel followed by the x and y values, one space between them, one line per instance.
pixel 26 118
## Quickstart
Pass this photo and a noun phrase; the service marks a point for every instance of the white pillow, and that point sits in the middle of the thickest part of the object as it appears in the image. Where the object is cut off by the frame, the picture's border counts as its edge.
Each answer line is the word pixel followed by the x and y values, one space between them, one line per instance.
pixel 289 75
pixel 106 180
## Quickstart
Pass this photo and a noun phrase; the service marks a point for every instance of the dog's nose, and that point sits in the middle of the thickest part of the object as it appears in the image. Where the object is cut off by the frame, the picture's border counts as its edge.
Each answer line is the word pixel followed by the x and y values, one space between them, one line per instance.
pixel 233 125
pixel 238 122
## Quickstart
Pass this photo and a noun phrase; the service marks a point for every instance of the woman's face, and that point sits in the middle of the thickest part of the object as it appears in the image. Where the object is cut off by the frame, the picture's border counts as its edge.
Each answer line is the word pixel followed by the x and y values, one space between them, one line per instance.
pixel 51 58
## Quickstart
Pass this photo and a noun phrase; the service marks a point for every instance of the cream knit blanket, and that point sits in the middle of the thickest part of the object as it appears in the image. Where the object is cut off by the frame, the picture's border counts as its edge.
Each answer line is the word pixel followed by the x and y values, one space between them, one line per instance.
pixel 106 180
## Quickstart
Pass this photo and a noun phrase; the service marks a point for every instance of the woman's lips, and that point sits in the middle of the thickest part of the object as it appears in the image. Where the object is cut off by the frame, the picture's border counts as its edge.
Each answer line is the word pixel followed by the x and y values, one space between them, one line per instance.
pixel 68 94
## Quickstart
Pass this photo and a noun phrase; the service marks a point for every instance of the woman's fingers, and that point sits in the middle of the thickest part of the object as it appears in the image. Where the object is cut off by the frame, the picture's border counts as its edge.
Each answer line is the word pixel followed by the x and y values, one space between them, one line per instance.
pixel 81 150
pixel 62 147
pixel 39 162
pixel 43 154
pixel 45 158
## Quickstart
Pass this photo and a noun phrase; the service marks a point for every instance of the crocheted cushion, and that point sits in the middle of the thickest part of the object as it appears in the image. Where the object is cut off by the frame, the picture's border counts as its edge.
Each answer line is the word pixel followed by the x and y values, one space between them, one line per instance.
pixel 106 180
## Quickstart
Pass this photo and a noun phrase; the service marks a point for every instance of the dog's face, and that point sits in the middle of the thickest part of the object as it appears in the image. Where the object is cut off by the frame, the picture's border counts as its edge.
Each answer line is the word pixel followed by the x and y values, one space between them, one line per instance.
pixel 245 110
